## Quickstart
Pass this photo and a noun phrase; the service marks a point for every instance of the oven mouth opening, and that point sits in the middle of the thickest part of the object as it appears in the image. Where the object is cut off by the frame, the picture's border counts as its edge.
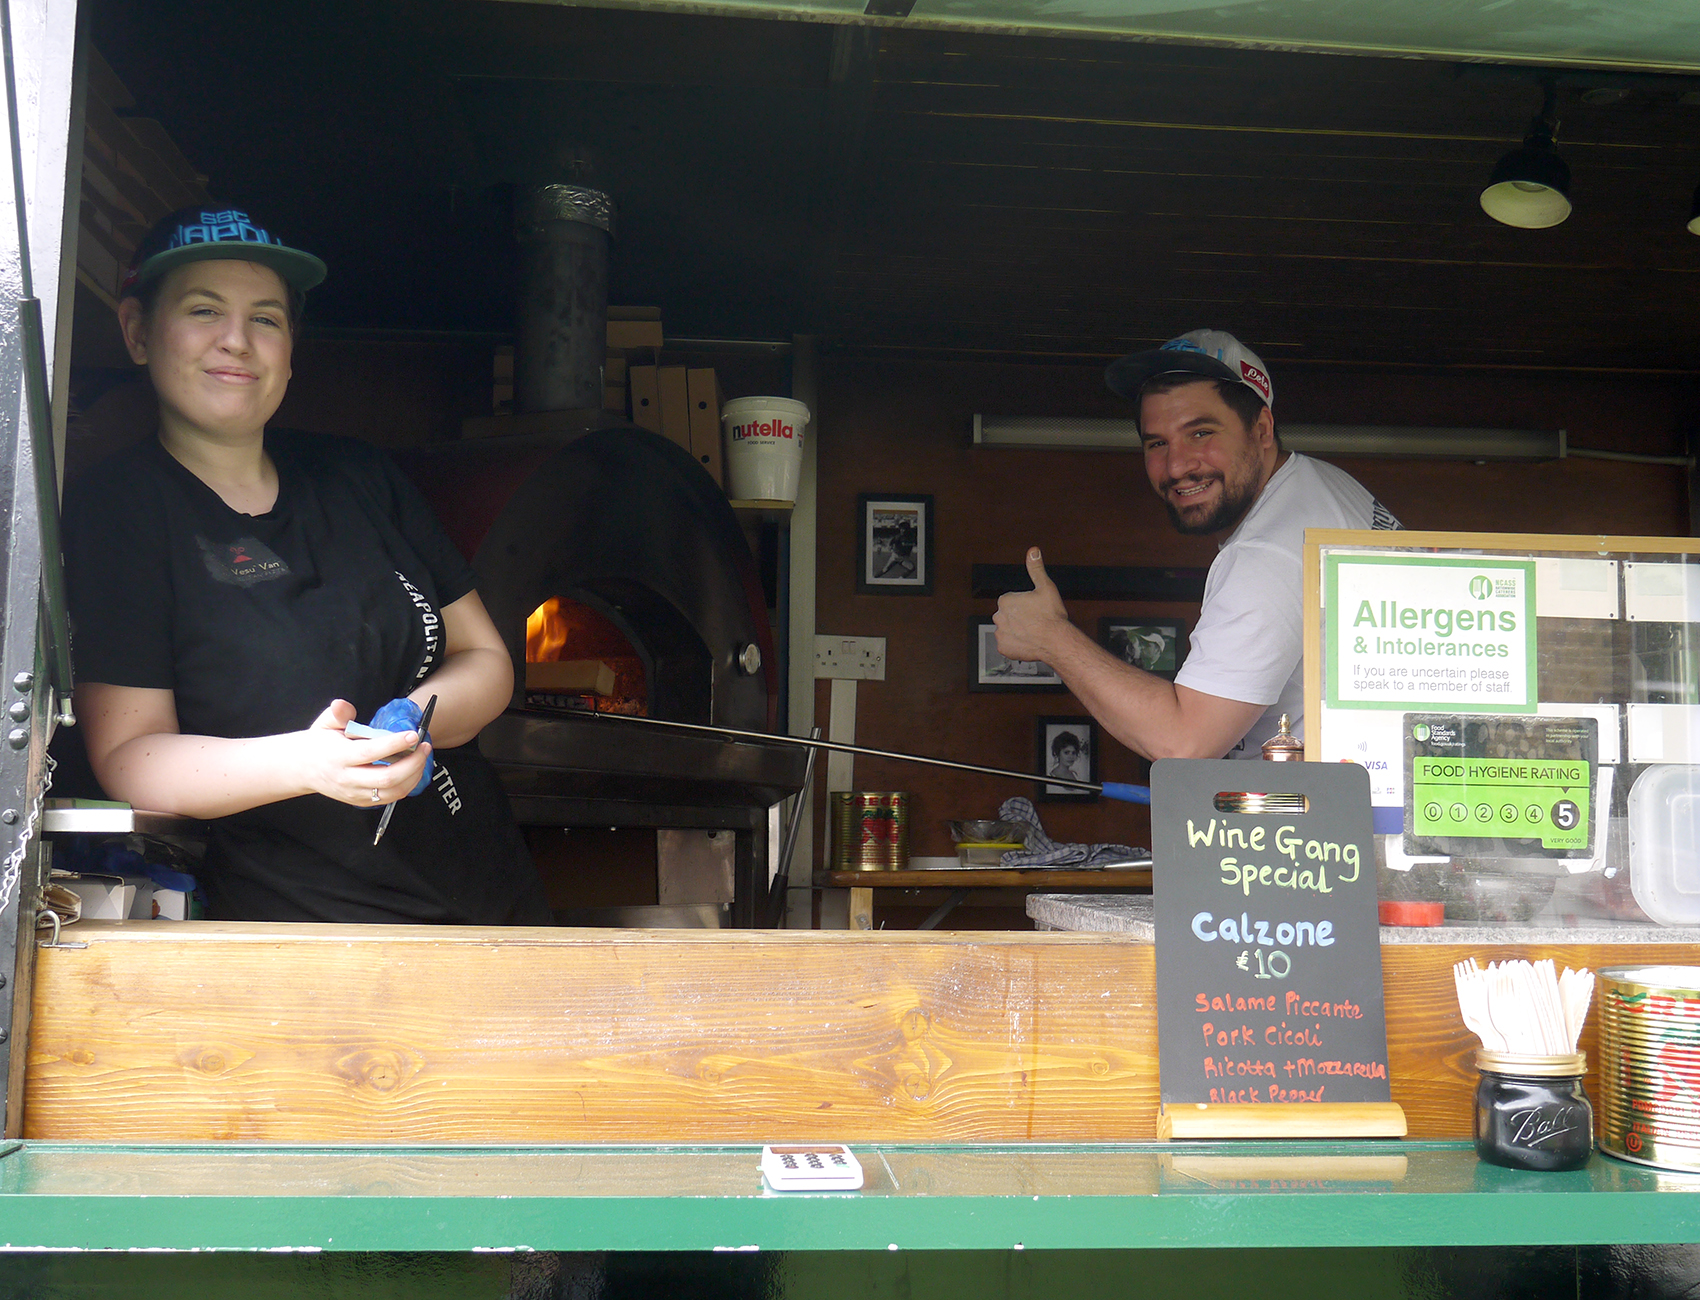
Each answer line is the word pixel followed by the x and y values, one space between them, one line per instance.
pixel 579 660
pixel 662 667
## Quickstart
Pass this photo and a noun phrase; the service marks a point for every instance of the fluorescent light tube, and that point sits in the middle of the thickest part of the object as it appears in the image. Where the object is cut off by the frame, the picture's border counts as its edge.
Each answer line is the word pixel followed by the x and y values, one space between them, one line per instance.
pixel 1059 433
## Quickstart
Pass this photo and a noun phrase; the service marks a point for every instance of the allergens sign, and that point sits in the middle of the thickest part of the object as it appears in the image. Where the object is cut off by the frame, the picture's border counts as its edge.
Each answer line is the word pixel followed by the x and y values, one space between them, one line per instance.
pixel 1425 632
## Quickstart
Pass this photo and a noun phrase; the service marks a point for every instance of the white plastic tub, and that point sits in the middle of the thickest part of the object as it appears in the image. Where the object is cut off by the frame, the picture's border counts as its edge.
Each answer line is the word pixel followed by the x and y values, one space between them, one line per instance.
pixel 1664 843
pixel 764 447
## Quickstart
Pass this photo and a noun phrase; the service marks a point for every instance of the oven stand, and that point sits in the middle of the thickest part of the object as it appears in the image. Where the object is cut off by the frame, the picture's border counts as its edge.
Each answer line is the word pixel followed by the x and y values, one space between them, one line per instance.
pixel 748 827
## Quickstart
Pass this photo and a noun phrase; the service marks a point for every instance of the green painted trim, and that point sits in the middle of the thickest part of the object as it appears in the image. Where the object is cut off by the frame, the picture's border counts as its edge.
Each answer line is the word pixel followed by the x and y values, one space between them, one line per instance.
pixel 1597 45
pixel 76 1197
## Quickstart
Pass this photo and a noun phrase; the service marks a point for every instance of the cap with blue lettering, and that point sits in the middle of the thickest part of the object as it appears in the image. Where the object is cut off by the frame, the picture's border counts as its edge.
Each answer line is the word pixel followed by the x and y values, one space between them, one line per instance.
pixel 1213 354
pixel 217 230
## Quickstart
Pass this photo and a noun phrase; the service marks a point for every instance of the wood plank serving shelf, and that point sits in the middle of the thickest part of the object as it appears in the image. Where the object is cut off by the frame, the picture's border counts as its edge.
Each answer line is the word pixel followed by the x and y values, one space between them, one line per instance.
pixel 308 1033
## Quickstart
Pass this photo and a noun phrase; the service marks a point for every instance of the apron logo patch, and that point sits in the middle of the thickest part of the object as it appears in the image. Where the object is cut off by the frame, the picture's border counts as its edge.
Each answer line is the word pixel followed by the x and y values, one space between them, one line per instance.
pixel 245 562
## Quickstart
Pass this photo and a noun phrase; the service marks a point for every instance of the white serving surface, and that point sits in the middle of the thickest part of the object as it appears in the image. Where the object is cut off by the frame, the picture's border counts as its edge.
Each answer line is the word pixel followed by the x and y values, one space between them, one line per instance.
pixel 1131 914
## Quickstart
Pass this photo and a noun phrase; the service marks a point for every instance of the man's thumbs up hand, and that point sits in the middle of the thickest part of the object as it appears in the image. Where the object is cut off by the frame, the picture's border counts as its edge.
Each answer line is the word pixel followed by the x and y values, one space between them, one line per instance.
pixel 1028 621
pixel 1036 571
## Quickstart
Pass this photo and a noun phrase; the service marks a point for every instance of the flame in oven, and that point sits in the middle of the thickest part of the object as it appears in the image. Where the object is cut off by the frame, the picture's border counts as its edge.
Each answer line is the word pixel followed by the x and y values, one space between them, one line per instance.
pixel 604 674
pixel 546 633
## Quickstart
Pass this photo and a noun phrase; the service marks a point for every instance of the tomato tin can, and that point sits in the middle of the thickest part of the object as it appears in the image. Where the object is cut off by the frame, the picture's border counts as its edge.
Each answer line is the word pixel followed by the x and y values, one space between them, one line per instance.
pixel 1649 1018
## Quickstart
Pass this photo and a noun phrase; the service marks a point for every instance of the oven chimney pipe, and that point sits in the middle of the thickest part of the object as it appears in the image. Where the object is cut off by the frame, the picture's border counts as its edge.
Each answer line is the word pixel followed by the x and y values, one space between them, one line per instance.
pixel 563 234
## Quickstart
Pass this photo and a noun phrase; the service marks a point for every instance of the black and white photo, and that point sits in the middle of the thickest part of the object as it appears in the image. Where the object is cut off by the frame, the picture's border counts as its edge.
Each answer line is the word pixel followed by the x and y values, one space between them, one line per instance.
pixel 1157 647
pixel 895 554
pixel 1067 748
pixel 990 671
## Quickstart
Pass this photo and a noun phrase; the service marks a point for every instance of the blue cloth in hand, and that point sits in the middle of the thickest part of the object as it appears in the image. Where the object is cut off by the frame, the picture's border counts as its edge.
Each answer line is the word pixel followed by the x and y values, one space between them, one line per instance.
pixel 404 715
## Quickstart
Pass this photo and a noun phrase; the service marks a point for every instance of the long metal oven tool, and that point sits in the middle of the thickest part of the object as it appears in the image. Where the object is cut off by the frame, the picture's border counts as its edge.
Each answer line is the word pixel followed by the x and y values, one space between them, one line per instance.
pixel 1109 789
pixel 774 914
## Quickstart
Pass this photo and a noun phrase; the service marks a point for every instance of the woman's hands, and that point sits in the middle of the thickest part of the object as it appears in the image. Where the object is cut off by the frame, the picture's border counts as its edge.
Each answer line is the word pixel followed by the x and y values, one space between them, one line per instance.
pixel 343 769
pixel 140 757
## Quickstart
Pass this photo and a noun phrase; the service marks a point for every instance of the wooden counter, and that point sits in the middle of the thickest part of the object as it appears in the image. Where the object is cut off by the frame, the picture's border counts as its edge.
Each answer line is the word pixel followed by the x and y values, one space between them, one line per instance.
pixel 293 1033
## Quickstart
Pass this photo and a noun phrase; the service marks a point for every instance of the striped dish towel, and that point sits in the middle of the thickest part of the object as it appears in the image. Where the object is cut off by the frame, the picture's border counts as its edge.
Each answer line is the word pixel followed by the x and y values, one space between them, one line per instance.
pixel 1041 851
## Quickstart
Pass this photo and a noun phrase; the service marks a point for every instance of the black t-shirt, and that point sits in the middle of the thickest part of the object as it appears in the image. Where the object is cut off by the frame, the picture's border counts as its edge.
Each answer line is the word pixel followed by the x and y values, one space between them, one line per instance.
pixel 255 623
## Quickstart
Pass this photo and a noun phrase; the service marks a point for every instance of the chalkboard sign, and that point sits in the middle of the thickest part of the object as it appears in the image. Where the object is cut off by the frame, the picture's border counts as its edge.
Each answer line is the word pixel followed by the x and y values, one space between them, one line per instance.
pixel 1268 944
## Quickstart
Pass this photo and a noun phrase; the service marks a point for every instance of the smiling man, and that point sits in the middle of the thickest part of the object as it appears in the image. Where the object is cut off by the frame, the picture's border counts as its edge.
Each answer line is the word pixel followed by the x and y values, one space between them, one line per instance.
pixel 1205 407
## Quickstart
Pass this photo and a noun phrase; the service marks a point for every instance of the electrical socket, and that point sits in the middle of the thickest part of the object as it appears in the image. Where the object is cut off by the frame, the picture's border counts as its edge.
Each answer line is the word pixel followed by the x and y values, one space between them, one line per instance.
pixel 850 658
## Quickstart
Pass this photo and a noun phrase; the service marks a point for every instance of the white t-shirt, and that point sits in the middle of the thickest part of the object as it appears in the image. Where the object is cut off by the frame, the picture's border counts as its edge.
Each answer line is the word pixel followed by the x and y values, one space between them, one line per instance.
pixel 1249 642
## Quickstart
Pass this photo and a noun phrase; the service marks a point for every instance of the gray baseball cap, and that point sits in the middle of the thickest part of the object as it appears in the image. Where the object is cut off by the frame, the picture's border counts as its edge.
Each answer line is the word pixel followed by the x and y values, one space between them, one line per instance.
pixel 1213 354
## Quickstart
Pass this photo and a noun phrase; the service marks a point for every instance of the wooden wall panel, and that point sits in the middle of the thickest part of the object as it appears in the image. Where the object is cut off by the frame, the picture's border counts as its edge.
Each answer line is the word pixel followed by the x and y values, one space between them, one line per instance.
pixel 413 1034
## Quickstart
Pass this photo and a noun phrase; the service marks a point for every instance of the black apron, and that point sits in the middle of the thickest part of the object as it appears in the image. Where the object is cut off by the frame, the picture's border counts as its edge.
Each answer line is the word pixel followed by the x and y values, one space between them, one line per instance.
pixel 327 596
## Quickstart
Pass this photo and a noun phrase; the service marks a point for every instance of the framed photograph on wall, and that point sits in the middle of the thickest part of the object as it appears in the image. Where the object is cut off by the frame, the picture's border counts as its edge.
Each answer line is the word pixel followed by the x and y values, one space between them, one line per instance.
pixel 1157 646
pixel 1066 747
pixel 990 671
pixel 894 554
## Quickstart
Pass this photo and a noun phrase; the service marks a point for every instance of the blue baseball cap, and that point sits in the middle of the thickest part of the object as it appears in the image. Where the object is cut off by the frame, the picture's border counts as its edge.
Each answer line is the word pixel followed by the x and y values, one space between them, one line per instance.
pixel 217 230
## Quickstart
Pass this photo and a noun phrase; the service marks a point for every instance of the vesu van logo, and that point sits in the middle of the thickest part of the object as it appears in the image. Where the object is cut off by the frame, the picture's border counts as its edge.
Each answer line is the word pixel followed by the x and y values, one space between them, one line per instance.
pixel 242 563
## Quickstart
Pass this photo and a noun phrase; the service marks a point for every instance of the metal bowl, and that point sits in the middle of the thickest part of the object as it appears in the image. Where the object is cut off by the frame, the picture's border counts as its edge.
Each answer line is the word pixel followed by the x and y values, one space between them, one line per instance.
pixel 988 832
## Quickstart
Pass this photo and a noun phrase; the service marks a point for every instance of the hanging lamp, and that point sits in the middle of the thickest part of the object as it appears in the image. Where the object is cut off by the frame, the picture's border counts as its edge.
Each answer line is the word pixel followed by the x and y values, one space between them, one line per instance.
pixel 1530 186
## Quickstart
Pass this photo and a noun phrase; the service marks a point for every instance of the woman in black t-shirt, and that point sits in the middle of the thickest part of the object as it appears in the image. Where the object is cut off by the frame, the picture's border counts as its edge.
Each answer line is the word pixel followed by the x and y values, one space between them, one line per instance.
pixel 239 595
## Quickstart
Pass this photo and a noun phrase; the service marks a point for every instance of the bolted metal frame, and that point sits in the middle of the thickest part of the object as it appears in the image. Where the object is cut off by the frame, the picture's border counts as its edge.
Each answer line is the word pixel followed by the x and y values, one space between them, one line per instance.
pixel 35 669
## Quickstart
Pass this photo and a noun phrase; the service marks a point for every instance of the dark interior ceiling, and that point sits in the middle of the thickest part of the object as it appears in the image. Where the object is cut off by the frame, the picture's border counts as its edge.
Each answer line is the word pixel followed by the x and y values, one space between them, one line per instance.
pixel 936 192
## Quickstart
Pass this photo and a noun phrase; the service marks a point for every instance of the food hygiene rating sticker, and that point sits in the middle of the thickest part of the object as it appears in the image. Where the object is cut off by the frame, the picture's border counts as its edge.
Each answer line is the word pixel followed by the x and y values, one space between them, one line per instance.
pixel 1503 785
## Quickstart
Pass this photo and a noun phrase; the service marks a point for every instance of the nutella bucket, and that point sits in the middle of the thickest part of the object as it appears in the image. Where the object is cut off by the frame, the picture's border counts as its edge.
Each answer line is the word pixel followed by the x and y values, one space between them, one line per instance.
pixel 764 447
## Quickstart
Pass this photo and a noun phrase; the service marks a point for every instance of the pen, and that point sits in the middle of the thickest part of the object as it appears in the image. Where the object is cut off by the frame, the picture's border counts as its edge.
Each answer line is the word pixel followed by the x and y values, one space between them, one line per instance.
pixel 389 811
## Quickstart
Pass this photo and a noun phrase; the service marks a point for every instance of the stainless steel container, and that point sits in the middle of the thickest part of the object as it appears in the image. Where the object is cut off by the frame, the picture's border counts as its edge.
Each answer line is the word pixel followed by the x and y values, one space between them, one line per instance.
pixel 870 830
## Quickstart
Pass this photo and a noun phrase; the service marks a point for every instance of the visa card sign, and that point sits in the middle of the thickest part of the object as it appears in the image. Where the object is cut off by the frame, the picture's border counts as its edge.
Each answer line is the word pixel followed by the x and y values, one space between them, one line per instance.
pixel 1410 631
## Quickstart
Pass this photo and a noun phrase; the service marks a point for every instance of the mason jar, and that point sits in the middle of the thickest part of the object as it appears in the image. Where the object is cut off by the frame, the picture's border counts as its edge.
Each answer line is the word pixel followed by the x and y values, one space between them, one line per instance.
pixel 1532 1112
